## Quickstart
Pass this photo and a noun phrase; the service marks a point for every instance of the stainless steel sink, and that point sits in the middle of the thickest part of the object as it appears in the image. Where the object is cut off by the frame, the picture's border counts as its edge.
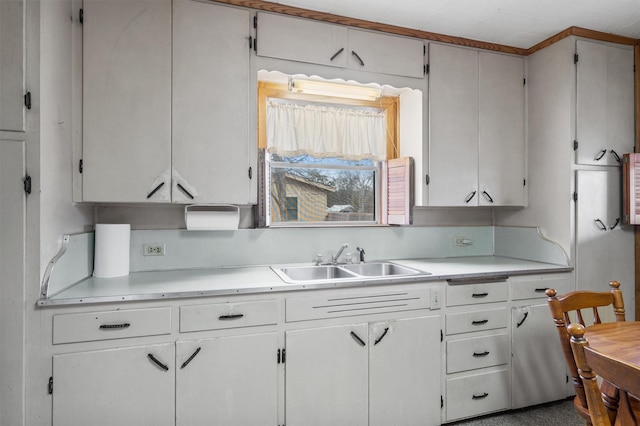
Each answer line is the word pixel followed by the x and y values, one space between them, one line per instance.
pixel 347 272
pixel 381 269
pixel 313 273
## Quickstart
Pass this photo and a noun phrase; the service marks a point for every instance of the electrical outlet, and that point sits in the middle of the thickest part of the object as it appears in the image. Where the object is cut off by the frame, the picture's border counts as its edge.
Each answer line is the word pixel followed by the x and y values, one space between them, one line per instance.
pixel 462 241
pixel 154 249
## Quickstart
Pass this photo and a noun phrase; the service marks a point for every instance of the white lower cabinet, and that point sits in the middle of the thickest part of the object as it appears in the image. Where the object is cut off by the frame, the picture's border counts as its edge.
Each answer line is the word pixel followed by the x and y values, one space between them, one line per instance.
pixel 125 386
pixel 227 381
pixel 477 394
pixel 377 373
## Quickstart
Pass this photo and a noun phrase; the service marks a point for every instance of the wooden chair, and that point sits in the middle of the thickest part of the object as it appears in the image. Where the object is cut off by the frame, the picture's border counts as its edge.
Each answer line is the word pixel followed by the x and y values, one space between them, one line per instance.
pixel 597 411
pixel 574 303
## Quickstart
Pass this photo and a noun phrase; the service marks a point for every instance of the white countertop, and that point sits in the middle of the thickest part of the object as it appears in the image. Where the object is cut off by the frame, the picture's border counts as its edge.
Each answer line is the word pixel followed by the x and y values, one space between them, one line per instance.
pixel 158 285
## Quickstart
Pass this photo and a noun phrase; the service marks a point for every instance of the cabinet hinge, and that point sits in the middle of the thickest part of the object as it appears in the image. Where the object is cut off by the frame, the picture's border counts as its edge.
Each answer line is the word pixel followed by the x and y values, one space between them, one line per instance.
pixel 27 100
pixel 81 16
pixel 255 21
pixel 524 182
pixel 575 196
pixel 567 379
pixel 524 81
pixel 282 356
pixel 250 42
pixel 26 183
pixel 575 58
pixel 426 69
pixel 250 173
pixel 441 401
pixel 424 50
pixel 80 166
pixel 575 145
pixel 441 336
pixel 50 387
pixel 427 180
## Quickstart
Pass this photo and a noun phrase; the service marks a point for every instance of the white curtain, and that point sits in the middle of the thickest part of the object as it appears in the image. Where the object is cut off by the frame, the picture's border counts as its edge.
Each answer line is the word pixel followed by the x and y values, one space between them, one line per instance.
pixel 325 131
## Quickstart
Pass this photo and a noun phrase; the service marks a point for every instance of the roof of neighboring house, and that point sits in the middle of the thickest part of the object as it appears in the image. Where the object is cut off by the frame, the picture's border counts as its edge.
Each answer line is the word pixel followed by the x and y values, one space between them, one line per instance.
pixel 341 208
pixel 310 182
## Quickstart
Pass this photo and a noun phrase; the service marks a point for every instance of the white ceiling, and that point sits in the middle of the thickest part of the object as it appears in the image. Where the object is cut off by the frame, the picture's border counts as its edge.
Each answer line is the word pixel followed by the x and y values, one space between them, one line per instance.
pixel 518 23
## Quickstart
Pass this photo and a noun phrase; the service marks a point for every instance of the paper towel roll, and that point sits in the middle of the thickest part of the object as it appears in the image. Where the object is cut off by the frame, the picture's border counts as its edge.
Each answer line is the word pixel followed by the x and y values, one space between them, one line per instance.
pixel 111 254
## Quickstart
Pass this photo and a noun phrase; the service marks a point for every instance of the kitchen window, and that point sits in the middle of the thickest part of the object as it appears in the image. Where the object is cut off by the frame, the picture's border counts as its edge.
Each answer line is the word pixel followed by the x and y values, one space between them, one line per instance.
pixel 324 158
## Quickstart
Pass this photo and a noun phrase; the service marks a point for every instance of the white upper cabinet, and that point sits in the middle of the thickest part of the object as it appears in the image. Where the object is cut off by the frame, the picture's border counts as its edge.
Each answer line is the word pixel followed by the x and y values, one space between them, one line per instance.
pixel 210 104
pixel 304 40
pixel 501 134
pixel 12 76
pixel 301 40
pixel 605 103
pixel 476 128
pixel 127 101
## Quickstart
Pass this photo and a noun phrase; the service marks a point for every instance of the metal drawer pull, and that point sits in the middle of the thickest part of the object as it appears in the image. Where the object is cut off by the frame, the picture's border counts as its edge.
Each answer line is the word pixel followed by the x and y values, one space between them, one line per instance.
pixel 184 191
pixel 193 355
pixel 487 196
pixel 114 326
pixel 484 395
pixel 600 155
pixel 154 190
pixel 379 339
pixel 615 224
pixel 470 197
pixel 480 322
pixel 479 294
pixel 480 354
pixel 615 155
pixel 526 314
pixel 157 362
pixel 336 54
pixel 540 290
pixel 230 317
pixel 602 226
pixel 358 339
pixel 358 58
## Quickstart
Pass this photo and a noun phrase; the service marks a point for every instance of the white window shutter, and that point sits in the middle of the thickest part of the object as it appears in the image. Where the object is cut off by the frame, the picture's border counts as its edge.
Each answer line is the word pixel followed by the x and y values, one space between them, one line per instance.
pixel 398 191
pixel 631 188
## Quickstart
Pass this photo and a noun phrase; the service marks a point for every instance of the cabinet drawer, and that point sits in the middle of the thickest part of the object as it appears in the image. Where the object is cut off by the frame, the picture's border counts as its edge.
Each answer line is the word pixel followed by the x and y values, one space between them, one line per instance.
pixel 535 289
pixel 478 394
pixel 318 307
pixel 476 321
pixel 228 315
pixel 89 326
pixel 468 294
pixel 477 352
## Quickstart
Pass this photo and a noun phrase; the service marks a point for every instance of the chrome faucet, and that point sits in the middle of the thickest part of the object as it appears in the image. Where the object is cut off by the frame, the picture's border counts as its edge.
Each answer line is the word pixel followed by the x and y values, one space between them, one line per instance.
pixel 334 258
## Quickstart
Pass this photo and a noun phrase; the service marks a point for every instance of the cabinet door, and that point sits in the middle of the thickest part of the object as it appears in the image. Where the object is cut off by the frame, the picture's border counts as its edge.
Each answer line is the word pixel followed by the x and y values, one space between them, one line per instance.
pixel 327 376
pixel 127 100
pixel 605 103
pixel 210 103
pixel 227 381
pixel 501 143
pixel 302 40
pixel 404 372
pixel 115 387
pixel 12 77
pixel 538 367
pixel 386 54
pixel 453 126
pixel 604 248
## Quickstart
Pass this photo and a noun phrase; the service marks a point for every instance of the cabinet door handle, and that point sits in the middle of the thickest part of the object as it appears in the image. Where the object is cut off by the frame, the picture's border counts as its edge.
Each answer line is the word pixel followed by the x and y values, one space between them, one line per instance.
pixel 524 318
pixel 602 226
pixel 482 396
pixel 487 196
pixel 615 155
pixel 480 354
pixel 615 224
pixel 154 190
pixel 184 191
pixel 230 317
pixel 470 196
pixel 358 58
pixel 379 339
pixel 479 294
pixel 357 339
pixel 157 362
pixel 540 290
pixel 480 322
pixel 115 326
pixel 193 355
pixel 335 55
pixel 600 155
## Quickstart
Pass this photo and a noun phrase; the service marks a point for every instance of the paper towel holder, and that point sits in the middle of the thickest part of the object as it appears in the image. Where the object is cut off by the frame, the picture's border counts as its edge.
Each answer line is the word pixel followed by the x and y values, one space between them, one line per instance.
pixel 211 217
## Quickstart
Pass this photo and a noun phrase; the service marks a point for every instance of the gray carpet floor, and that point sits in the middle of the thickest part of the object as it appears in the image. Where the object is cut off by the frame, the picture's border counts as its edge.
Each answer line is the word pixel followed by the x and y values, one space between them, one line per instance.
pixel 560 413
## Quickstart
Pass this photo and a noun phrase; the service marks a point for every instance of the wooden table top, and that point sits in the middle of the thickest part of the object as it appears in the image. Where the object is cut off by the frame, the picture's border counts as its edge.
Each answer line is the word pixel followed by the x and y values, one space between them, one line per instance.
pixel 614 353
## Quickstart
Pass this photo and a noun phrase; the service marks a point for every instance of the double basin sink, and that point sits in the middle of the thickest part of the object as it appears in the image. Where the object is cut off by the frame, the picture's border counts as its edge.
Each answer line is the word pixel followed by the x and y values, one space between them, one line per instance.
pixel 346 272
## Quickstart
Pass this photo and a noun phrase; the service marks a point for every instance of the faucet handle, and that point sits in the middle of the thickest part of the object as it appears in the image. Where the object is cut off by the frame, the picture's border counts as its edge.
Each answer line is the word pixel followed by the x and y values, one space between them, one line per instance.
pixel 319 259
